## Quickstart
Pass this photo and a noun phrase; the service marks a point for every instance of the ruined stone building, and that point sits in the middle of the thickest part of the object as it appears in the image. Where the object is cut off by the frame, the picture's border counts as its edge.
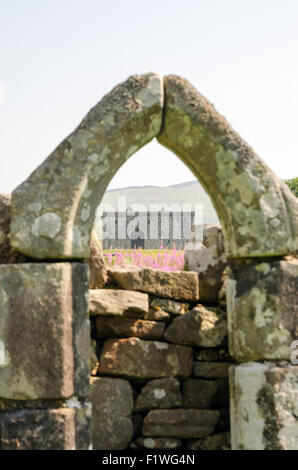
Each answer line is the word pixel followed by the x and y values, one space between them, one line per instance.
pixel 145 230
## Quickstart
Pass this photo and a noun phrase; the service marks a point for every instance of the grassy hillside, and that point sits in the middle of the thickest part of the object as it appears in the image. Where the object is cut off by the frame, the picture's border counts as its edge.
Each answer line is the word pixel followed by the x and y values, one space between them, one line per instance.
pixel 190 192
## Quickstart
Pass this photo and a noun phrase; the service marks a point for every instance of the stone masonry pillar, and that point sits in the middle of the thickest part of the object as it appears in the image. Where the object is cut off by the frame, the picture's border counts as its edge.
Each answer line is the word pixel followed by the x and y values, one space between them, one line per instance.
pixel 44 356
pixel 262 315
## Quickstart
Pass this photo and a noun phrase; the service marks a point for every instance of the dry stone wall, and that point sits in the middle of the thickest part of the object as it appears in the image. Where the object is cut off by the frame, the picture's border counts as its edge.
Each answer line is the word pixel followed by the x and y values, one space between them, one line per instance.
pixel 159 363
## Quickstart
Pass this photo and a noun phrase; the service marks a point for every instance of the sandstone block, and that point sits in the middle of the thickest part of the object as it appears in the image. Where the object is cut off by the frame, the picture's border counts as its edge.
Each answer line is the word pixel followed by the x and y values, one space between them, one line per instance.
pixel 159 393
pixel 47 429
pixel 180 423
pixel 111 423
pixel 44 331
pixel 179 285
pixel 264 406
pixel 198 393
pixel 139 359
pixel 109 327
pixel 115 302
pixel 199 327
pixel 263 309
pixel 209 261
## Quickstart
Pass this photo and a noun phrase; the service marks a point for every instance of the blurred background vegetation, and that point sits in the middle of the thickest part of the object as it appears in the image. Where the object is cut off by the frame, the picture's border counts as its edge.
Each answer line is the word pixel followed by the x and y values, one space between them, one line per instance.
pixel 293 185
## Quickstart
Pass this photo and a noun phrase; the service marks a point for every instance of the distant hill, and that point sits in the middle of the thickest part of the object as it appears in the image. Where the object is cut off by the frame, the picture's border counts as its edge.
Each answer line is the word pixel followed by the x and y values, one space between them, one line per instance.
pixel 190 192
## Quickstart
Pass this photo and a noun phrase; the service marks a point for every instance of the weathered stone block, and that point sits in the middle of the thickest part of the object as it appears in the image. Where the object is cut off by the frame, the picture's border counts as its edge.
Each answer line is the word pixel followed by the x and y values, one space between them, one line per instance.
pixel 46 429
pixel 264 406
pixel 199 327
pixel 44 331
pixel 180 423
pixel 139 359
pixel 198 393
pixel 159 393
pixel 179 285
pixel 170 306
pixel 209 261
pixel 108 327
pixel 263 309
pixel 118 302
pixel 159 442
pixel 112 403
pixel 211 369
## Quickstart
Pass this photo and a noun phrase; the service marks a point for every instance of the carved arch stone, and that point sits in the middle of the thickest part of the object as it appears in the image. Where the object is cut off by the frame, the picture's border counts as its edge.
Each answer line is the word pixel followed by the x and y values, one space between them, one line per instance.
pixel 53 211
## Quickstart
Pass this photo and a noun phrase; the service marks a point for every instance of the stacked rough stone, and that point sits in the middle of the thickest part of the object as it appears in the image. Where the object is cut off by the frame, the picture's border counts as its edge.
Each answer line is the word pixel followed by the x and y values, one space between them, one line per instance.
pixel 159 363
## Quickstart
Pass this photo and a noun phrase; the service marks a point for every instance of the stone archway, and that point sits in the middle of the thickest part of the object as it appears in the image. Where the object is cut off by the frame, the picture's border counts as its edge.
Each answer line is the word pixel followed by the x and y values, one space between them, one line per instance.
pixel 52 217
pixel 53 210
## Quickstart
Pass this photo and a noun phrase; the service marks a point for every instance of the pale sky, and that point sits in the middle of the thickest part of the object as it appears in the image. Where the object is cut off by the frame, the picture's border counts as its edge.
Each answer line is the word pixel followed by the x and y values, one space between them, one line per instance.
pixel 59 57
